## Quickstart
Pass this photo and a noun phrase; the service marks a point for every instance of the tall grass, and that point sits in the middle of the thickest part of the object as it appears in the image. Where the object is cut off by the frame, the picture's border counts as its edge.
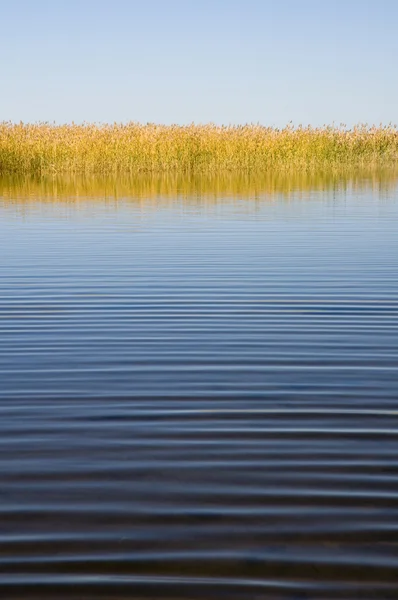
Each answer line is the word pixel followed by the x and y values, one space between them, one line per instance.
pixel 133 148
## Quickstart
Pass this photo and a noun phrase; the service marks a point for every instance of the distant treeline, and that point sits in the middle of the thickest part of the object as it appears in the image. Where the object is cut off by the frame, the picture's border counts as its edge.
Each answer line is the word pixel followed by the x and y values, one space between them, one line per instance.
pixel 133 148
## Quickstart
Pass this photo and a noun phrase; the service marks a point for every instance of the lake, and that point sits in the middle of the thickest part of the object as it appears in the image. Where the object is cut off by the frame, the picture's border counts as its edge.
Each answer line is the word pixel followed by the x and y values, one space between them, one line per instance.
pixel 199 387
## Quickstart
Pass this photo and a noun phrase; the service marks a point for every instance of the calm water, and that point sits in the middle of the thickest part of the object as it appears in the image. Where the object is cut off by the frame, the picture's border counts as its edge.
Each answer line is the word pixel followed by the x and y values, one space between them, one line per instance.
pixel 199 388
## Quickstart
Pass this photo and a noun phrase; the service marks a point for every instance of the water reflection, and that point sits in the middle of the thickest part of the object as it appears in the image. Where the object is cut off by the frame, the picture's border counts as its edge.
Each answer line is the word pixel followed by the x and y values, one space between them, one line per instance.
pixel 197 188
pixel 199 386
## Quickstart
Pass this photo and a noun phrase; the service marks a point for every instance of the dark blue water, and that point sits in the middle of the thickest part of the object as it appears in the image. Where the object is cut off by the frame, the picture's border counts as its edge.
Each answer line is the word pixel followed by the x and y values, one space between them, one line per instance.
pixel 199 394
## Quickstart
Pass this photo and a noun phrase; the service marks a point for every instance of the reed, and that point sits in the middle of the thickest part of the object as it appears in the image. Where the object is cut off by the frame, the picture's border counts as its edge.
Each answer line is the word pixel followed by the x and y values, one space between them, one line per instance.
pixel 133 148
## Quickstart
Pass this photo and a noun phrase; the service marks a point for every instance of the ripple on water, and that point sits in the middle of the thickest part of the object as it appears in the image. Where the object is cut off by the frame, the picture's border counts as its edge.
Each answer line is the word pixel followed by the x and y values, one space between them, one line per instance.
pixel 199 394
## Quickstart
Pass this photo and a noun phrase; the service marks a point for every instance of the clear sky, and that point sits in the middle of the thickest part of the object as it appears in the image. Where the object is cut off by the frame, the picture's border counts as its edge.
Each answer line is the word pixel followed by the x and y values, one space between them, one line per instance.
pixel 178 61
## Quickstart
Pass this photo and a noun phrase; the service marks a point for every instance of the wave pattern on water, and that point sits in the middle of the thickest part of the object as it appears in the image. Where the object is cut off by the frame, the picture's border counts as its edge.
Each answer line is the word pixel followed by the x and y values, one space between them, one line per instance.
pixel 200 401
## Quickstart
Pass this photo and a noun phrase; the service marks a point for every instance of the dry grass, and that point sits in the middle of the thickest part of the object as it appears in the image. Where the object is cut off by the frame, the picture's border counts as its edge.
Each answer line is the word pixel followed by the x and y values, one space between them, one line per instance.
pixel 132 148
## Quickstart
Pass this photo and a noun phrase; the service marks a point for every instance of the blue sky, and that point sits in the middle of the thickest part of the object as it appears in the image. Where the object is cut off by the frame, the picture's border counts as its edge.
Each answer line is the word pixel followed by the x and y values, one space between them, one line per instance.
pixel 178 61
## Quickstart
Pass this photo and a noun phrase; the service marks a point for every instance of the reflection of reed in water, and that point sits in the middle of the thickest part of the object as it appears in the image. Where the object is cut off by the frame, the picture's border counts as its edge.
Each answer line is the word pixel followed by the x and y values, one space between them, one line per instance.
pixel 195 188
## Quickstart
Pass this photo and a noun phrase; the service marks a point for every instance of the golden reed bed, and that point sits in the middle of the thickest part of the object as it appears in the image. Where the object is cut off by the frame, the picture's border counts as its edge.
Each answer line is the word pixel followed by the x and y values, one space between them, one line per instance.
pixel 133 148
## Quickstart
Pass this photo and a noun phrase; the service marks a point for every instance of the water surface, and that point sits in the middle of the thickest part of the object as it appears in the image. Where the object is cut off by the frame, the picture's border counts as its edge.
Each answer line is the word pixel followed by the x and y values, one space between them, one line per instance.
pixel 199 387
